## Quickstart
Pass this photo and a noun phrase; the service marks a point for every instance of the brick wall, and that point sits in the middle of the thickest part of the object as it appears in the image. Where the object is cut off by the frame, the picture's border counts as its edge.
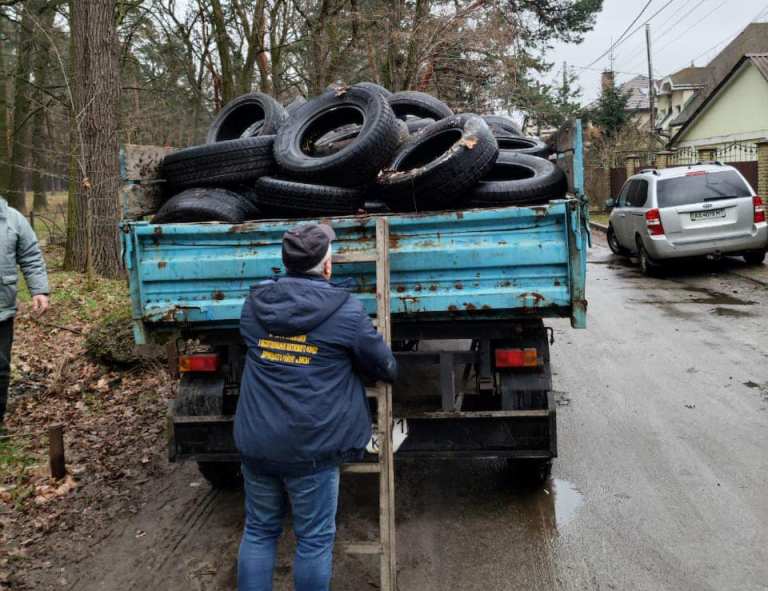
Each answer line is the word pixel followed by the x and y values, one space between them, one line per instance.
pixel 762 169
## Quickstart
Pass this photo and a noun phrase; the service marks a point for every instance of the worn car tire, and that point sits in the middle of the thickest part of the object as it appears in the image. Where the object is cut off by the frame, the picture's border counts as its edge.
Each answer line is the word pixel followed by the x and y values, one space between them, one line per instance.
pixel 220 164
pixel 519 179
pixel 613 242
pixel 222 475
pixel 756 257
pixel 338 139
pixel 293 106
pixel 282 197
pixel 249 115
pixel 418 104
pixel 522 145
pixel 435 168
pixel 355 164
pixel 417 125
pixel 502 125
pixel 206 205
pixel 377 87
pixel 648 266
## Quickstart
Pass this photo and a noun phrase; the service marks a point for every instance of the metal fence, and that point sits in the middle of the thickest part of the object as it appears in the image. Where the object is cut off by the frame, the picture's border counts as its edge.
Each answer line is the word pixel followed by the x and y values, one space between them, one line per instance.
pixel 735 152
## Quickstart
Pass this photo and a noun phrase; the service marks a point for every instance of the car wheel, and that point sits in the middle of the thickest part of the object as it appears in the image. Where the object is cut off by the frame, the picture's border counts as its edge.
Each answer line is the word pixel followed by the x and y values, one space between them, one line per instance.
pixel 756 257
pixel 648 266
pixel 613 242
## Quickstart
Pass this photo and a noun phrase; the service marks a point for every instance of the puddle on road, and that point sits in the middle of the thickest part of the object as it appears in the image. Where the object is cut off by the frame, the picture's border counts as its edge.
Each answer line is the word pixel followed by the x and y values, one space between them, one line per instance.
pixel 568 500
pixel 552 506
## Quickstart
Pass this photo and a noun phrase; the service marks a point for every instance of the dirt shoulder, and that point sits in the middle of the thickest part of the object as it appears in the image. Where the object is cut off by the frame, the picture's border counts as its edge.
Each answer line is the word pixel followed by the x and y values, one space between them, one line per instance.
pixel 113 419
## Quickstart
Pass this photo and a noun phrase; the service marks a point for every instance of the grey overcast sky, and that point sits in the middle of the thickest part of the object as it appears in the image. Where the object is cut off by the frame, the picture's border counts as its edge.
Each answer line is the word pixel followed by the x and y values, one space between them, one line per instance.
pixel 682 32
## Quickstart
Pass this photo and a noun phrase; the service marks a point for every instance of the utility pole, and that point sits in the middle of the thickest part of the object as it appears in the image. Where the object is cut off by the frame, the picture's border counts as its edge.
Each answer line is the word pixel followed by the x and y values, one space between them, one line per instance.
pixel 611 54
pixel 651 88
pixel 565 84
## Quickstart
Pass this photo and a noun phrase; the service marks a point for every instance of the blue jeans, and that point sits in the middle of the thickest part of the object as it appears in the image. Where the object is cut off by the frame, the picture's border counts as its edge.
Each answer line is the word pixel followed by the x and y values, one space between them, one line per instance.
pixel 313 500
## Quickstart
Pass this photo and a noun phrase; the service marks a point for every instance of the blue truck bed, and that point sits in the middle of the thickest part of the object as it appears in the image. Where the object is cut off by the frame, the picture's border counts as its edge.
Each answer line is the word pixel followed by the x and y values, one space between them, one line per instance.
pixel 514 262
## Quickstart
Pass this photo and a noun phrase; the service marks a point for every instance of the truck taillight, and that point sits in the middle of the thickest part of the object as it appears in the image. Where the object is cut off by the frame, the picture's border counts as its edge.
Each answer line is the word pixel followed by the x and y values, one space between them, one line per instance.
pixel 204 362
pixel 653 221
pixel 517 357
pixel 759 206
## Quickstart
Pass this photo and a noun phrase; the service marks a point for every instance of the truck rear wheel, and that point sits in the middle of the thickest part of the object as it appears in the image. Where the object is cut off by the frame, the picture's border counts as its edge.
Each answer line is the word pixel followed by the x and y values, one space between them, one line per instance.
pixel 529 470
pixel 222 475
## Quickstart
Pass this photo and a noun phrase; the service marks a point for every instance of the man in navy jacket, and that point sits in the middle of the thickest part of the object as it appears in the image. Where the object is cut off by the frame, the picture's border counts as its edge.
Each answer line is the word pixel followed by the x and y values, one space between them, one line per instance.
pixel 302 409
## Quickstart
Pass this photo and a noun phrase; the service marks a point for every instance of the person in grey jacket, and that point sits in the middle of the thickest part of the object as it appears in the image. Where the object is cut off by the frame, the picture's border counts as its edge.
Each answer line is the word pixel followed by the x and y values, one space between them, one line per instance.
pixel 18 247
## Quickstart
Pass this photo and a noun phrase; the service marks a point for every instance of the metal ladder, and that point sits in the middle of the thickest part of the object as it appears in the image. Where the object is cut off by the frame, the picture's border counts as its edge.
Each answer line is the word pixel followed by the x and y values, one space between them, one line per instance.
pixel 382 393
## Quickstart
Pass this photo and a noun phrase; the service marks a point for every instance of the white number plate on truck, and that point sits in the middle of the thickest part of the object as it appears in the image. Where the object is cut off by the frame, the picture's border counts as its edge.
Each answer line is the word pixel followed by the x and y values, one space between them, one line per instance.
pixel 707 214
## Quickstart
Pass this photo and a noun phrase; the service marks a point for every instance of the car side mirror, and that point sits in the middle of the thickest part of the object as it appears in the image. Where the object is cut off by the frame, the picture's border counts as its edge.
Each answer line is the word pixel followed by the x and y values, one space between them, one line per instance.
pixel 610 204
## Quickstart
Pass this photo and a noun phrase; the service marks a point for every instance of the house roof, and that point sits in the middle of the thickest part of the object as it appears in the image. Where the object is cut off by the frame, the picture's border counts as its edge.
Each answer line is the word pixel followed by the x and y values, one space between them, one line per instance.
pixel 753 39
pixel 691 76
pixel 759 60
pixel 637 88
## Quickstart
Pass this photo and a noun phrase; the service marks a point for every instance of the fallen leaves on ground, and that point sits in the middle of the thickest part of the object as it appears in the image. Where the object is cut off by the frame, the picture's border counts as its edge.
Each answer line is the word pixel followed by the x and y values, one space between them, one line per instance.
pixel 114 431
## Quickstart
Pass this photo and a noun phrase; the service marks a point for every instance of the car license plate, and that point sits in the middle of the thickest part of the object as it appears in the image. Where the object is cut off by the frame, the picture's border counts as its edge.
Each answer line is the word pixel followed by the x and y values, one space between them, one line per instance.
pixel 707 214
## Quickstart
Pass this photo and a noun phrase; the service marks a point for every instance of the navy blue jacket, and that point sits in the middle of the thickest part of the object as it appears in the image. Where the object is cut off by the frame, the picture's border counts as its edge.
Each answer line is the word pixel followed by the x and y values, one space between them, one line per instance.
pixel 302 404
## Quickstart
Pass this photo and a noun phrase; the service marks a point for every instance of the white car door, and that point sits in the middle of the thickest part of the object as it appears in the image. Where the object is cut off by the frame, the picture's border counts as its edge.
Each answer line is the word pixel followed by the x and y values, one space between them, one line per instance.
pixel 622 221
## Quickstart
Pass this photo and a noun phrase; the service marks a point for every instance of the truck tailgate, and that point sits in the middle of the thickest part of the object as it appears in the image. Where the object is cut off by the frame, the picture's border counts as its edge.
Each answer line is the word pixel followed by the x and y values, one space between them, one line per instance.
pixel 488 263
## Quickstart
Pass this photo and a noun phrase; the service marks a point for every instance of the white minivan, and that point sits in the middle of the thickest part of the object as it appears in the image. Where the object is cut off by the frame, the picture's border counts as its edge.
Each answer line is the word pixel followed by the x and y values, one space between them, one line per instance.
pixel 687 211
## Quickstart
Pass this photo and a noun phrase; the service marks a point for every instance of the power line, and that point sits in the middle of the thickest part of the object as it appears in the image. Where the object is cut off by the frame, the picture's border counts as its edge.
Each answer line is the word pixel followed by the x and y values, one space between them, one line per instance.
pixel 694 25
pixel 666 31
pixel 619 42
pixel 763 12
pixel 682 35
pixel 614 44
pixel 639 46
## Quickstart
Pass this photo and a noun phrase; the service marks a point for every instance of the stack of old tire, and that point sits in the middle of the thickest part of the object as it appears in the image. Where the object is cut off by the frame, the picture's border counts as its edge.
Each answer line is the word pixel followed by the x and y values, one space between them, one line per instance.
pixel 353 149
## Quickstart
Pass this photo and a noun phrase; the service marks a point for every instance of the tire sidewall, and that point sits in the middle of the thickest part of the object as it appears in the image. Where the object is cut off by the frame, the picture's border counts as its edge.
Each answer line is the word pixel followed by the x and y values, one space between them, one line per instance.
pixel 547 182
pixel 376 111
pixel 274 115
pixel 613 241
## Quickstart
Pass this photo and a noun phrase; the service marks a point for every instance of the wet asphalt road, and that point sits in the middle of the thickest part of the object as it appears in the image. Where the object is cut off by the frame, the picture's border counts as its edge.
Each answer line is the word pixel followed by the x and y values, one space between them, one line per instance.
pixel 661 483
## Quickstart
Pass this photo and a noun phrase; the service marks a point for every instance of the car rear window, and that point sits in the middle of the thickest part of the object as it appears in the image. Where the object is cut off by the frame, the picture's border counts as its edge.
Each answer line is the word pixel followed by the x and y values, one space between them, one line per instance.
pixel 698 187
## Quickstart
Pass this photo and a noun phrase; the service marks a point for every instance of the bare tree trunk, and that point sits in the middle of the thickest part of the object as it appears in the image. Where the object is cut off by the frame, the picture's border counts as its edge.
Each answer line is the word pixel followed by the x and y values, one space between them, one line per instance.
pixel 96 98
pixel 74 248
pixel 415 43
pixel 38 100
pixel 19 132
pixel 5 170
pixel 224 47
pixel 394 43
